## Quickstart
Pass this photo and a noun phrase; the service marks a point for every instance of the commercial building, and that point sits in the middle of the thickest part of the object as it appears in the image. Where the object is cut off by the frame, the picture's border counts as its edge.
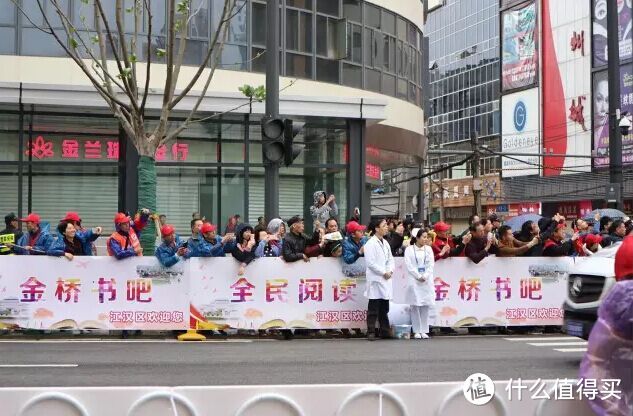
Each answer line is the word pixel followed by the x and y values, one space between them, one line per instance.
pixel 555 100
pixel 61 149
pixel 464 101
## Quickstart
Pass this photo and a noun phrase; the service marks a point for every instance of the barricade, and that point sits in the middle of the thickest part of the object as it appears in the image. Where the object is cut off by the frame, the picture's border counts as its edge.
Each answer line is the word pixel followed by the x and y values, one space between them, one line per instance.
pixel 48 293
pixel 419 399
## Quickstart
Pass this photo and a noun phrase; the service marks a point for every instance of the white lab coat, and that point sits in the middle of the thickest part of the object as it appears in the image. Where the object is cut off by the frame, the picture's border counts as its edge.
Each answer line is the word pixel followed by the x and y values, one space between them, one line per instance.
pixel 419 293
pixel 378 260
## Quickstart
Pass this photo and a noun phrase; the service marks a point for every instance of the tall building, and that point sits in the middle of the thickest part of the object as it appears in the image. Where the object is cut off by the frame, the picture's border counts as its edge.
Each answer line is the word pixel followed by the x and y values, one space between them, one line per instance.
pixel 61 149
pixel 555 101
pixel 464 101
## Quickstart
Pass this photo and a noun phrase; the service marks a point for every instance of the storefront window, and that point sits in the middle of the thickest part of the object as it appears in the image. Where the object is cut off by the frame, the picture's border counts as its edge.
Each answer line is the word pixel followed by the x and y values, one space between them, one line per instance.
pixel 181 191
pixel 91 190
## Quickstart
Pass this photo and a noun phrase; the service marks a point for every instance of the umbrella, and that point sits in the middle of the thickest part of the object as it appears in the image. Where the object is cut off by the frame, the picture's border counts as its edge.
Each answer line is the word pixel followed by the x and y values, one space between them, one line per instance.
pixel 607 212
pixel 517 222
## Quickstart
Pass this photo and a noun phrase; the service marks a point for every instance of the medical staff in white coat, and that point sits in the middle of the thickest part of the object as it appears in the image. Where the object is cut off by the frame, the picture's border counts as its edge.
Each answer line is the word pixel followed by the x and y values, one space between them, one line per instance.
pixel 420 293
pixel 379 291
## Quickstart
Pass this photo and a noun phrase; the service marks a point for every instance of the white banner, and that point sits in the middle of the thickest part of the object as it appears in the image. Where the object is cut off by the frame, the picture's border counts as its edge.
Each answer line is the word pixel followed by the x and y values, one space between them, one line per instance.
pixel 92 293
pixel 207 293
pixel 498 291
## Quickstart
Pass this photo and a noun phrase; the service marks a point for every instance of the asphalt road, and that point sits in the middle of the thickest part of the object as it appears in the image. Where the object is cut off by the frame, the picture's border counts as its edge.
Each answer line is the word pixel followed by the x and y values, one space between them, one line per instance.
pixel 58 363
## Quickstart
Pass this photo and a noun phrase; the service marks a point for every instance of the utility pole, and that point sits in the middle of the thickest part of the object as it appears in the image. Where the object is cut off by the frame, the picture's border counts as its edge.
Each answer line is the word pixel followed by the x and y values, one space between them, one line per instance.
pixel 615 137
pixel 271 170
pixel 442 195
pixel 474 142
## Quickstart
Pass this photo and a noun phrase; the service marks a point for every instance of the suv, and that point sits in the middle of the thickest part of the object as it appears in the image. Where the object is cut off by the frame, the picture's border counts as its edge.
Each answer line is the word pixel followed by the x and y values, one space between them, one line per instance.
pixel 589 281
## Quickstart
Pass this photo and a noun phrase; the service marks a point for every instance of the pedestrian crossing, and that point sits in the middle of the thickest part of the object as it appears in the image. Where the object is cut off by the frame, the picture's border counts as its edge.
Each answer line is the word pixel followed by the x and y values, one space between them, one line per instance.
pixel 560 344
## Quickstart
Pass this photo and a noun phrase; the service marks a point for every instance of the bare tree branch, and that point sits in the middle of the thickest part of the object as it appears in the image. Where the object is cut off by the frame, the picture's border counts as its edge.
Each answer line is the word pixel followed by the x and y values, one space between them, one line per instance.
pixel 149 55
pixel 223 28
pixel 17 4
pixel 120 24
pixel 70 29
pixel 122 71
pixel 229 5
pixel 78 61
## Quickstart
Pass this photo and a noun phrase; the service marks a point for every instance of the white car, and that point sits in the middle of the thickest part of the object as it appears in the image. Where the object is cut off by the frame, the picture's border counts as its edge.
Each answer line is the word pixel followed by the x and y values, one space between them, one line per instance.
pixel 589 281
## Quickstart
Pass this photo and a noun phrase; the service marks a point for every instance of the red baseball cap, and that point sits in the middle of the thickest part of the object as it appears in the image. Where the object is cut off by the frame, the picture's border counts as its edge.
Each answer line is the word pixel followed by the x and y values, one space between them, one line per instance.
pixel 121 218
pixel 592 239
pixel 207 227
pixel 441 226
pixel 354 226
pixel 167 230
pixel 31 218
pixel 72 216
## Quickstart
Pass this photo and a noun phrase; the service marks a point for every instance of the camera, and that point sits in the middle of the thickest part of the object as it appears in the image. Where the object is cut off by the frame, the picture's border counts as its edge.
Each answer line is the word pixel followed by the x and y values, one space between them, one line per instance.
pixel 625 124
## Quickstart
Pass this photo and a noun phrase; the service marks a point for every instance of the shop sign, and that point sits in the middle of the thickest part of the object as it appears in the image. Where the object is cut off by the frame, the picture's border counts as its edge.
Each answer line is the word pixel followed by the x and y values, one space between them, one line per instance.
pixel 106 149
pixel 574 210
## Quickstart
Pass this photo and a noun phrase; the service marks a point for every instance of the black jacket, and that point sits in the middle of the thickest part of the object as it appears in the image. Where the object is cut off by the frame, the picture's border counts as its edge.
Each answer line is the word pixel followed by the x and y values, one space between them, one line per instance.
pixel 395 241
pixel 557 249
pixel 476 249
pixel 295 245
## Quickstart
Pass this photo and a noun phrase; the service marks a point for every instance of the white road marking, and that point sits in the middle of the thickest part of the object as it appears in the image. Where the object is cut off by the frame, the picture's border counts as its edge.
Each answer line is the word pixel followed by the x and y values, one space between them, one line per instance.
pixel 118 341
pixel 38 365
pixel 543 339
pixel 557 344
pixel 570 349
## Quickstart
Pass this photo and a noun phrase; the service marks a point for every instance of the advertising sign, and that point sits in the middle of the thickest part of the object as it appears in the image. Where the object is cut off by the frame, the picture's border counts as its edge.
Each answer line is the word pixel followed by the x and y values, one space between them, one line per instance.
pixel 520 133
pixel 566 86
pixel 519 62
pixel 600 50
pixel 49 293
pixel 601 115
pixel 43 292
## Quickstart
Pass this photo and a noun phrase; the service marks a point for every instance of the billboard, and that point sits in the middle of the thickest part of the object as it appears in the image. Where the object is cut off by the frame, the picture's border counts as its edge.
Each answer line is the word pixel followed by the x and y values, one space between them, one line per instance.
pixel 566 86
pixel 601 115
pixel 600 55
pixel 520 115
pixel 519 61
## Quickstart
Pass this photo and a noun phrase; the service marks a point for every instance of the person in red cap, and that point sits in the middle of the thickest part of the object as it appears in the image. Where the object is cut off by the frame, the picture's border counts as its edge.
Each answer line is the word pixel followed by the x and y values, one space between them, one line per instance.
pixel 37 239
pixel 171 251
pixel 609 353
pixel 124 242
pixel 591 244
pixel 354 244
pixel 444 246
pixel 555 247
pixel 208 244
pixel 86 236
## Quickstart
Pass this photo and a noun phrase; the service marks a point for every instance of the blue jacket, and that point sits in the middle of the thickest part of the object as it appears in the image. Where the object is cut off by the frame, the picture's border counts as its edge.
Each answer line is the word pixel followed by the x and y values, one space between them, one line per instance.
pixel 166 254
pixel 351 249
pixel 42 243
pixel 199 247
pixel 86 238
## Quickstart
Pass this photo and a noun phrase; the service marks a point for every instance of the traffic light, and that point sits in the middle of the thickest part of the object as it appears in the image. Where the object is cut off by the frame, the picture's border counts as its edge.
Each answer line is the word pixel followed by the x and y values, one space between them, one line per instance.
pixel 291 150
pixel 272 140
pixel 278 140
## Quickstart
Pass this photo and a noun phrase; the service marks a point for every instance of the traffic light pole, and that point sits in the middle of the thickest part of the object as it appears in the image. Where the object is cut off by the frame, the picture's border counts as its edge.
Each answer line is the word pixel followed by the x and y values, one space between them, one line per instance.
pixel 271 175
pixel 615 137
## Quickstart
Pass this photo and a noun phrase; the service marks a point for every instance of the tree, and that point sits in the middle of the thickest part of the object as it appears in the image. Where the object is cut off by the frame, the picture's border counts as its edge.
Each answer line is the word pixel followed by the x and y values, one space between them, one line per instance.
pixel 107 52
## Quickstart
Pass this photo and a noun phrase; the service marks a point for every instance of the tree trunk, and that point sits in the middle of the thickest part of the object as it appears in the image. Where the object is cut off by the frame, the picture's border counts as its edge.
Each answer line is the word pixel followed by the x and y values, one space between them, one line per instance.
pixel 147 199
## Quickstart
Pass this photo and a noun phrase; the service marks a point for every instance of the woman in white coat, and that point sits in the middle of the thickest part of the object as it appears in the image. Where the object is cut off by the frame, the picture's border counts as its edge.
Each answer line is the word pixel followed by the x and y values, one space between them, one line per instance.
pixel 420 292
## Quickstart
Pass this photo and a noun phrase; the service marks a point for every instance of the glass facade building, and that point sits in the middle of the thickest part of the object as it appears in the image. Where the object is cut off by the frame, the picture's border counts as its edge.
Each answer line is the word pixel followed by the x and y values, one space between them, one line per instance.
pixel 57 155
pixel 464 70
pixel 52 162
pixel 383 49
